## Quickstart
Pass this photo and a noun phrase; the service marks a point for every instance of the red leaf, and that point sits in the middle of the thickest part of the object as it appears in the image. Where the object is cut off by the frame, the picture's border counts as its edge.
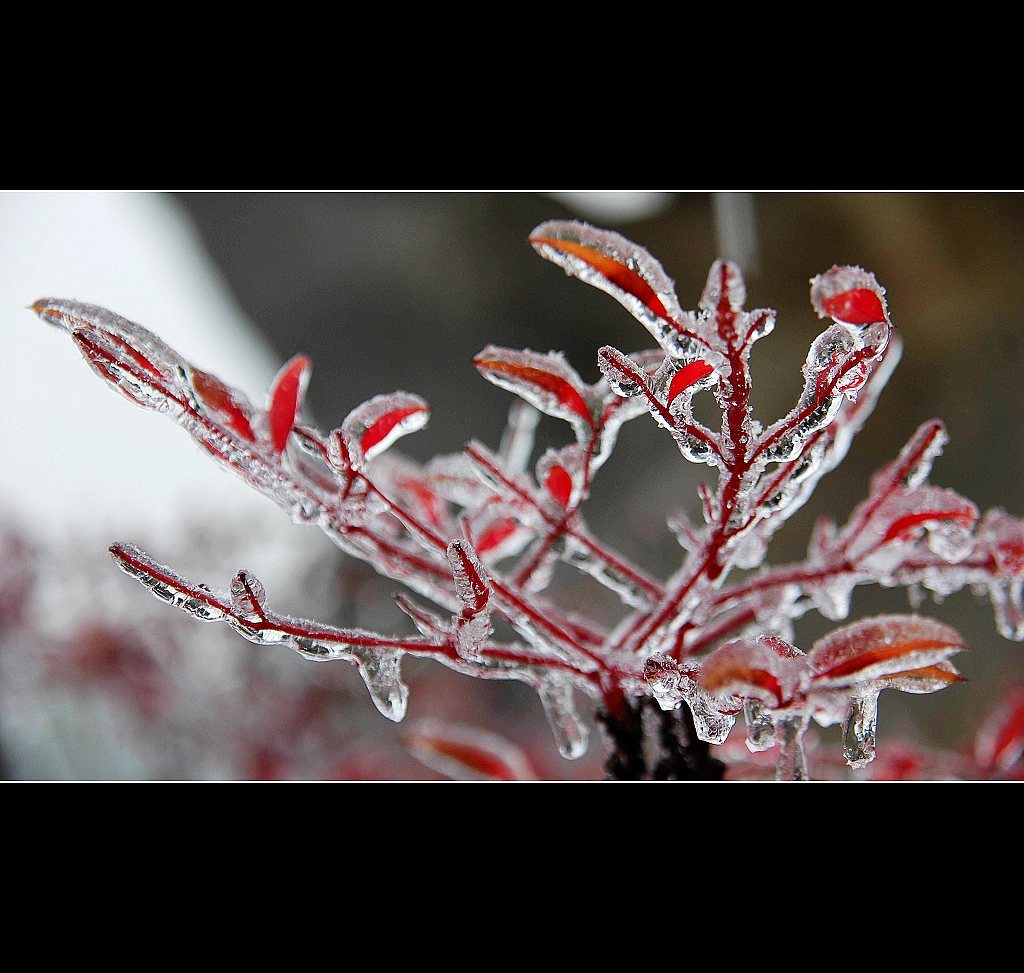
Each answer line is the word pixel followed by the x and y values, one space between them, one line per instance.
pixel 285 399
pixel 727 678
pixel 686 376
pixel 1000 743
pixel 429 502
pixel 850 295
pixel 545 380
pixel 904 524
pixel 475 759
pixel 769 669
pixel 379 430
pixel 217 396
pixel 880 647
pixel 616 273
pixel 559 485
pixel 495 534
pixel 928 679
pixel 465 753
pixel 857 306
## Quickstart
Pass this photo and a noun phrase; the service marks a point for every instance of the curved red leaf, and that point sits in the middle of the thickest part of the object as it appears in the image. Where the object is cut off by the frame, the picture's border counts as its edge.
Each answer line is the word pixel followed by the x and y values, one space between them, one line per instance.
pixel 496 534
pixel 881 647
pixel 850 295
pixel 686 376
pixel 857 306
pixel 215 395
pixel 547 381
pixel 616 273
pixel 1000 743
pixel 285 399
pixel 904 524
pixel 559 484
pixel 380 430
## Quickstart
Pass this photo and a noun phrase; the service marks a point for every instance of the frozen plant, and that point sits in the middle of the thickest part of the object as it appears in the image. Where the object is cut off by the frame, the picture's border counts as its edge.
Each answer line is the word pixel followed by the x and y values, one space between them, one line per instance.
pixel 478 536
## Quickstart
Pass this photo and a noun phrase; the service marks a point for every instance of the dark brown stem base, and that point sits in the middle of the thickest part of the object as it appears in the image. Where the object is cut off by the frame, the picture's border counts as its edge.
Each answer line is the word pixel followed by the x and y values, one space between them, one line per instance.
pixel 673 753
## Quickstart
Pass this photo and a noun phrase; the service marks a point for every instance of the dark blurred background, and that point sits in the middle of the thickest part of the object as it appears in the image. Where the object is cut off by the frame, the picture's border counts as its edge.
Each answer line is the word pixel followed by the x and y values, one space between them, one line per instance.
pixel 400 290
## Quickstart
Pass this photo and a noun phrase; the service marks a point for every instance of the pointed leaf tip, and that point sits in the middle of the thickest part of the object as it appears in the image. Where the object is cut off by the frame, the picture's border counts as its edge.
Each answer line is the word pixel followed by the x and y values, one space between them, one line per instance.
pixel 285 399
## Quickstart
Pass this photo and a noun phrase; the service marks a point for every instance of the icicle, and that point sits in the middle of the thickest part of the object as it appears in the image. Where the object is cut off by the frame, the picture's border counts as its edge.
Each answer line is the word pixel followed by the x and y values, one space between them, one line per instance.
pixel 383 678
pixel 792 763
pixel 560 709
pixel 1009 609
pixel 760 726
pixel 859 729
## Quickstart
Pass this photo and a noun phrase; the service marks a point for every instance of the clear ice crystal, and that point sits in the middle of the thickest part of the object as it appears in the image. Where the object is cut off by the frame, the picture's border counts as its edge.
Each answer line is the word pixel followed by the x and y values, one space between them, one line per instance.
pixel 761 733
pixel 859 729
pixel 381 671
pixel 570 732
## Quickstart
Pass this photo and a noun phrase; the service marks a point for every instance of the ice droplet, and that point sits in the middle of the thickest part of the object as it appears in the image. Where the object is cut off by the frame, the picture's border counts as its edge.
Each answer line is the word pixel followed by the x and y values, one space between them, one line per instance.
pixel 711 724
pixel 560 709
pixel 1009 609
pixel 381 671
pixel 760 726
pixel 663 676
pixel 859 729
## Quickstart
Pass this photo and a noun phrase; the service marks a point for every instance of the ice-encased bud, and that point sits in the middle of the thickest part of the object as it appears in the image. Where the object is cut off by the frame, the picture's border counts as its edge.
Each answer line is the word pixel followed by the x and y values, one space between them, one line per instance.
pixel 247 595
pixel 620 371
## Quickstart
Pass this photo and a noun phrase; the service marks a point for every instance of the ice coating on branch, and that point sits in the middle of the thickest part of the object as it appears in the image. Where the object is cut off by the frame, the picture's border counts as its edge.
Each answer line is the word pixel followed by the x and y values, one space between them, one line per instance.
pixel 381 671
pixel 761 734
pixel 247 595
pixel 859 729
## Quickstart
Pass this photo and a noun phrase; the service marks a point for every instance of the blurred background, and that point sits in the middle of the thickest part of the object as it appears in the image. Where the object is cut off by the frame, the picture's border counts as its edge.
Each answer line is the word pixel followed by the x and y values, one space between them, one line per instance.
pixel 399 291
